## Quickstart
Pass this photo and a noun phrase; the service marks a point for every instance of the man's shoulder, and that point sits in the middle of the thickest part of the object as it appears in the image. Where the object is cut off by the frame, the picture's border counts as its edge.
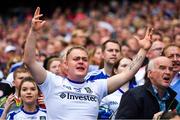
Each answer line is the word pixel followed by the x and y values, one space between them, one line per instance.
pixel 95 72
pixel 98 74
pixel 137 91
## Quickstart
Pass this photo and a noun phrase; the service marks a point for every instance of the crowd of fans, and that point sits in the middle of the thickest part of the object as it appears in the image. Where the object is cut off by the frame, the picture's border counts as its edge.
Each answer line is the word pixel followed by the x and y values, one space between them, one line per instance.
pixel 124 23
pixel 92 27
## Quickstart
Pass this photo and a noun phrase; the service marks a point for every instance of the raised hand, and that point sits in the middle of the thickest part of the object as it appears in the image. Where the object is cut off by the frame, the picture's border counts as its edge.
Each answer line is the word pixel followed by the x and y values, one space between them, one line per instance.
pixel 145 43
pixel 40 100
pixel 37 24
pixel 9 102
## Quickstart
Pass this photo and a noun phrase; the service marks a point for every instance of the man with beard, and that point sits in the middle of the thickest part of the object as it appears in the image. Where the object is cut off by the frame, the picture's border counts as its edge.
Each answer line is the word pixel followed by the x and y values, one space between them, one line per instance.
pixel 173 52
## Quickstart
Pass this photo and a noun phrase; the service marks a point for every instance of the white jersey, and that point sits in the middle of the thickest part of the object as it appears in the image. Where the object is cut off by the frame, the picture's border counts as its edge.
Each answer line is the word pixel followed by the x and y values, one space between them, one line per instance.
pixel 21 114
pixel 140 76
pixel 68 100
pixel 112 100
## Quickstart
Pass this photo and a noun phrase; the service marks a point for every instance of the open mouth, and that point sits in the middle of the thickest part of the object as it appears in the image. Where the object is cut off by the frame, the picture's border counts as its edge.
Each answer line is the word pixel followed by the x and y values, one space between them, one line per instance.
pixel 113 58
pixel 176 63
pixel 81 68
pixel 167 78
pixel 28 97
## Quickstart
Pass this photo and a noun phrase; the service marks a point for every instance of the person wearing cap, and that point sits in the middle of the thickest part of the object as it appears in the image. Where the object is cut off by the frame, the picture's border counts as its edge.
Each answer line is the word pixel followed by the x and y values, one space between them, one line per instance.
pixel 10 48
pixel 105 30
pixel 10 51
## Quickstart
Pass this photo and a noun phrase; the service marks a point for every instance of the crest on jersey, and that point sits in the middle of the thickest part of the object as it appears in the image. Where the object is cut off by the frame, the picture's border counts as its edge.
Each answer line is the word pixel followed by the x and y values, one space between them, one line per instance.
pixel 42 117
pixel 88 90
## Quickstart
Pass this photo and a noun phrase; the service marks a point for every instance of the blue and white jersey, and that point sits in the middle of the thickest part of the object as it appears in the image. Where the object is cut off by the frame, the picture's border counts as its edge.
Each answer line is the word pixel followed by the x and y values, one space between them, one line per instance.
pixel 175 85
pixel 69 100
pixel 93 68
pixel 110 103
pixel 96 75
pixel 21 114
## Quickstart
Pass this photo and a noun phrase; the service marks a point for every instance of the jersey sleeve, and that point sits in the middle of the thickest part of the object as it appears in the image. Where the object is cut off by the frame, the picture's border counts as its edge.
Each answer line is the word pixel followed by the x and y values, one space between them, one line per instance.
pixel 50 83
pixel 10 116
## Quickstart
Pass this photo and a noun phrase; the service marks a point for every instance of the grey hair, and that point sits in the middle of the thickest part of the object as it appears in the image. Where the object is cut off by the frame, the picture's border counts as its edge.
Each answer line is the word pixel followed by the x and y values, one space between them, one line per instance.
pixel 154 61
pixel 151 64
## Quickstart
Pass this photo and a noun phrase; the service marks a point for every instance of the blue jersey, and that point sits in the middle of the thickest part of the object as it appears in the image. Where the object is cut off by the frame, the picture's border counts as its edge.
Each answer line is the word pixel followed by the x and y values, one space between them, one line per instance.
pixel 175 85
pixel 95 75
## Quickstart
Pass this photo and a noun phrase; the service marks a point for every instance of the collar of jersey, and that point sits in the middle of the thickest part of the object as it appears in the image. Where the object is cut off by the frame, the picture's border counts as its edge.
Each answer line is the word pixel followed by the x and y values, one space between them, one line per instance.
pixel 30 113
pixel 76 82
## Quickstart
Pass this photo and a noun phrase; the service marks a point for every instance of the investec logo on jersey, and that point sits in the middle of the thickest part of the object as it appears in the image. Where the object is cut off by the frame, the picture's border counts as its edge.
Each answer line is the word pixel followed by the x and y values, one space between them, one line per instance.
pixel 72 96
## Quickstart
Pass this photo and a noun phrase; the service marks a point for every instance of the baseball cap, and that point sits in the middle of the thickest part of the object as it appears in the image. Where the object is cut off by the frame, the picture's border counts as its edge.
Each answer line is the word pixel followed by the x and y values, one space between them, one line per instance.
pixel 106 25
pixel 10 48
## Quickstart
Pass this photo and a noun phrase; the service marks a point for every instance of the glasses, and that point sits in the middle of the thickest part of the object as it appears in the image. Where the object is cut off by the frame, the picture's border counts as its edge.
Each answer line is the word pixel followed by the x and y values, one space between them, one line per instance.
pixel 157 49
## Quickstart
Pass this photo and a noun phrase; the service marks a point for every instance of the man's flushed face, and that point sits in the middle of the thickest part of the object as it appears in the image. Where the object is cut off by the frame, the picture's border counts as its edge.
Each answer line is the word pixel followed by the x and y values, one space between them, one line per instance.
pixel 161 74
pixel 77 64
pixel 173 53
